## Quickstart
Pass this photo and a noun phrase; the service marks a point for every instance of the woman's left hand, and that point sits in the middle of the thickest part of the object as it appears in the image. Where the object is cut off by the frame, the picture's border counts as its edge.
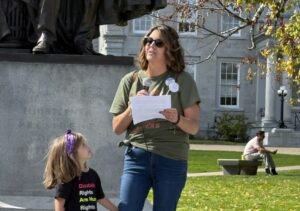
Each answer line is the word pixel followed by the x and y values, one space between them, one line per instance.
pixel 171 114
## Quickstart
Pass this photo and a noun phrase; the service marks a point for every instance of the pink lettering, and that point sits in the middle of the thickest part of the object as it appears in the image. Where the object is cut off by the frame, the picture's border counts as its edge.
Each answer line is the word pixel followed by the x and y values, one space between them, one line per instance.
pixel 89 185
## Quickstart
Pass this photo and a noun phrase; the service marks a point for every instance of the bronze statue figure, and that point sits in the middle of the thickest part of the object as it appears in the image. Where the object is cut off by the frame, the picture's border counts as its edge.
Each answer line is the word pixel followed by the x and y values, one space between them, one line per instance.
pixel 68 26
pixel 71 25
pixel 68 22
pixel 17 23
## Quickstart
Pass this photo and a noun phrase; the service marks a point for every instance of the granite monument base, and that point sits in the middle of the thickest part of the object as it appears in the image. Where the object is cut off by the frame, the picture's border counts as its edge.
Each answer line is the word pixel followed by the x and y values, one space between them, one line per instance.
pixel 278 137
pixel 41 96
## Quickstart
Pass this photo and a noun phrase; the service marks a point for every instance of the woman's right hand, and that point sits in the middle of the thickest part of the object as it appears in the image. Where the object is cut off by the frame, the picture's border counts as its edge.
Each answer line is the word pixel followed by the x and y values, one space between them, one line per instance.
pixel 123 120
pixel 142 92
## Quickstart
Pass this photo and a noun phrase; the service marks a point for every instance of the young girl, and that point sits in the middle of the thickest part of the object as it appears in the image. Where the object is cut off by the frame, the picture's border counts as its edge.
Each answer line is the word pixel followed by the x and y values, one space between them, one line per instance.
pixel 78 187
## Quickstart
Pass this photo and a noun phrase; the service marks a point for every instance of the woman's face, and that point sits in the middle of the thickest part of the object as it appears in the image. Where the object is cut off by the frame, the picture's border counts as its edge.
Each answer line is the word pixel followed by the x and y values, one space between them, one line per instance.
pixel 155 48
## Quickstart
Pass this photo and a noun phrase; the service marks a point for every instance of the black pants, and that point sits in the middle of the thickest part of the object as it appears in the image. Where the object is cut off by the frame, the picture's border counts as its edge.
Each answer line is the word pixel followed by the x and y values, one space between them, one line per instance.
pixel 71 18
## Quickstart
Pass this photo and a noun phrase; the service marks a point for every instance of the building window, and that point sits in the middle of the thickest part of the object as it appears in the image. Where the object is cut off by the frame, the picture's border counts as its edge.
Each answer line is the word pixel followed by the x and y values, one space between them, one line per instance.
pixel 295 95
pixel 142 24
pixel 229 22
pixel 229 85
pixel 186 24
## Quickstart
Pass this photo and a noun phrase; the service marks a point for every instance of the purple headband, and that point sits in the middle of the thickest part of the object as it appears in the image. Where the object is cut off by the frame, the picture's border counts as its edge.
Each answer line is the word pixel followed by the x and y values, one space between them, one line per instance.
pixel 70 141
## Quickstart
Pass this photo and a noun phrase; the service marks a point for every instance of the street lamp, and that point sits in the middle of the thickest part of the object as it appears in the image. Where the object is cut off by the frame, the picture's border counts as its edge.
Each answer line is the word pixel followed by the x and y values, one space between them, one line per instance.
pixel 282 92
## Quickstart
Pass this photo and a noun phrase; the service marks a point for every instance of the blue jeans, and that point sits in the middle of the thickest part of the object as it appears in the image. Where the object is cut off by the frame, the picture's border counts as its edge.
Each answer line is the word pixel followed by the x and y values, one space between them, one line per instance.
pixel 143 170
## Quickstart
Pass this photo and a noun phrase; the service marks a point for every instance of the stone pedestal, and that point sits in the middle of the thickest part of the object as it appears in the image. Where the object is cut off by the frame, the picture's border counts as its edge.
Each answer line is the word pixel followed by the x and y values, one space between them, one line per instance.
pixel 41 96
pixel 282 138
pixel 239 167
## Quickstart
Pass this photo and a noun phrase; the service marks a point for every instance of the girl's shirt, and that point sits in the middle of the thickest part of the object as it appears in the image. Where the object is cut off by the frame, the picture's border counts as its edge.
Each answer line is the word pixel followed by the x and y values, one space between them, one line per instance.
pixel 158 135
pixel 82 193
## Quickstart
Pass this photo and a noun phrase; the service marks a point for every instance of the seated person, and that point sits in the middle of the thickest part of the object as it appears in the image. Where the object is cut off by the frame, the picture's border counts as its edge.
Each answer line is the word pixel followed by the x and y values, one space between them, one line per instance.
pixel 254 150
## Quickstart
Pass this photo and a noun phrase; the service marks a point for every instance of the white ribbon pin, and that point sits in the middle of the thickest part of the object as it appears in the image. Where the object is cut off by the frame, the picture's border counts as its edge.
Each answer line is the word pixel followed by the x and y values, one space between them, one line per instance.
pixel 173 86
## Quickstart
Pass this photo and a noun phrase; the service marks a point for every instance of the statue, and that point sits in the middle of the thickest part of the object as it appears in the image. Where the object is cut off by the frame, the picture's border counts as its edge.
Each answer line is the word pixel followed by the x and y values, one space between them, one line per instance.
pixel 65 26
pixel 17 23
pixel 71 25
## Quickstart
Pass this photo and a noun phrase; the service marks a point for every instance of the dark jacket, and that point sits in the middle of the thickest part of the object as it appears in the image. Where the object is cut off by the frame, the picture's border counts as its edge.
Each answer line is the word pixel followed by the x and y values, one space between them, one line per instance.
pixel 119 11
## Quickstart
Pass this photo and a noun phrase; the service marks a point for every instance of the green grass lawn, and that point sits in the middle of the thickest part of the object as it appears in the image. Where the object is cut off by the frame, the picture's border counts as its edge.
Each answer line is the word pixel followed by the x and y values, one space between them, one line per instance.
pixel 206 161
pixel 239 193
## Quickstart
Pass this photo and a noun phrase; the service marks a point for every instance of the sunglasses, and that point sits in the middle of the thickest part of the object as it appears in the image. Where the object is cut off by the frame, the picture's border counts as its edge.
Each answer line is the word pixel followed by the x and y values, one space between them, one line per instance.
pixel 148 41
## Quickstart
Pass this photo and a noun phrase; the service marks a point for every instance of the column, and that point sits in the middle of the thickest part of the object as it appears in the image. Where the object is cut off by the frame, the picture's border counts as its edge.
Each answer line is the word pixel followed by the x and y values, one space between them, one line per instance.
pixel 269 121
pixel 259 98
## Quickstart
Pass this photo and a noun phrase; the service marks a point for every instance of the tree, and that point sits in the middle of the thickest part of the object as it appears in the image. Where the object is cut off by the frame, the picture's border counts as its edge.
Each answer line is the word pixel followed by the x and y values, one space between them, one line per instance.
pixel 276 19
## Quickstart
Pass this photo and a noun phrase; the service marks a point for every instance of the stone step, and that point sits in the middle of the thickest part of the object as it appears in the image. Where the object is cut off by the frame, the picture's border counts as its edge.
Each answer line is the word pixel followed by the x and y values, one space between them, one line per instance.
pixel 28 203
pixel 40 203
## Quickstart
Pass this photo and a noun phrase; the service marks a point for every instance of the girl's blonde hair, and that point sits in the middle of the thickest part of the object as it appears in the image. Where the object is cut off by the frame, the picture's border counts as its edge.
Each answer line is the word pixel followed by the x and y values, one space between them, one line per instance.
pixel 62 166
pixel 174 51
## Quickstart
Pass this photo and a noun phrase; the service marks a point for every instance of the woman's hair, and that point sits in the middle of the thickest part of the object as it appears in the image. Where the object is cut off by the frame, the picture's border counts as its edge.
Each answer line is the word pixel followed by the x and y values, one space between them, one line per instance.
pixel 174 52
pixel 62 159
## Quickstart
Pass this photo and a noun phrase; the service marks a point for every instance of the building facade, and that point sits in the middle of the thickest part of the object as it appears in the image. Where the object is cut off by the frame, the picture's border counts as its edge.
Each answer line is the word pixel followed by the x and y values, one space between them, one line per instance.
pixel 222 80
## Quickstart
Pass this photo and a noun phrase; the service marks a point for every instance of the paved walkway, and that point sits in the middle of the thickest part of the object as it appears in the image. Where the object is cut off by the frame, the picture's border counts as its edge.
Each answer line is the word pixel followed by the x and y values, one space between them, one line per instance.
pixel 240 148
pixel 42 203
pixel 218 173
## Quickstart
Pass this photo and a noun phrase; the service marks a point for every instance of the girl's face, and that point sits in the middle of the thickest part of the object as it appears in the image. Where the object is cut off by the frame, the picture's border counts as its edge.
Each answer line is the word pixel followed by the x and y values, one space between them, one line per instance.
pixel 155 48
pixel 84 152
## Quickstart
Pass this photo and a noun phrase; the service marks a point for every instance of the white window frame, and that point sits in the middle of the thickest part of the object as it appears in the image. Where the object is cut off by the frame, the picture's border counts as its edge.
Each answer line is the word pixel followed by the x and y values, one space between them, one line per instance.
pixel 237 85
pixel 186 21
pixel 231 23
pixel 138 21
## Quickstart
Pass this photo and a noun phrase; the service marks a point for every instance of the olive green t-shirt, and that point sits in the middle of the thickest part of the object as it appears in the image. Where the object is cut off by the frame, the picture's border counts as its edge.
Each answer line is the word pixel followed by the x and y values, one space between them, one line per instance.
pixel 158 135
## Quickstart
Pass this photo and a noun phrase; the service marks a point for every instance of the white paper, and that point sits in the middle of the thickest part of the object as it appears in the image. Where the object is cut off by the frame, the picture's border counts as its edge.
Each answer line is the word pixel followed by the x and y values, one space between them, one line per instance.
pixel 148 107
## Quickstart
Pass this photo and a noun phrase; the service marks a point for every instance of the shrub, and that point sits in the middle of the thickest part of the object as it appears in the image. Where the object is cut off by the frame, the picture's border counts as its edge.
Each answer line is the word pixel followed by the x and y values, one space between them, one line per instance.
pixel 232 127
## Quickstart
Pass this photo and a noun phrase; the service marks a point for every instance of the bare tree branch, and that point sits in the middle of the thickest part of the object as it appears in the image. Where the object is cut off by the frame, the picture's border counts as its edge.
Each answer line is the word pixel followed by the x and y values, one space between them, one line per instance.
pixel 254 20
pixel 195 15
pixel 235 15
pixel 219 42
pixel 253 45
pixel 198 26
pixel 258 13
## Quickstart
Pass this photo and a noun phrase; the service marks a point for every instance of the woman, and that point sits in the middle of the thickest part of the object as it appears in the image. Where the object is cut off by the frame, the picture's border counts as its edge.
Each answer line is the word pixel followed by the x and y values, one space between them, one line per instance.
pixel 157 152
